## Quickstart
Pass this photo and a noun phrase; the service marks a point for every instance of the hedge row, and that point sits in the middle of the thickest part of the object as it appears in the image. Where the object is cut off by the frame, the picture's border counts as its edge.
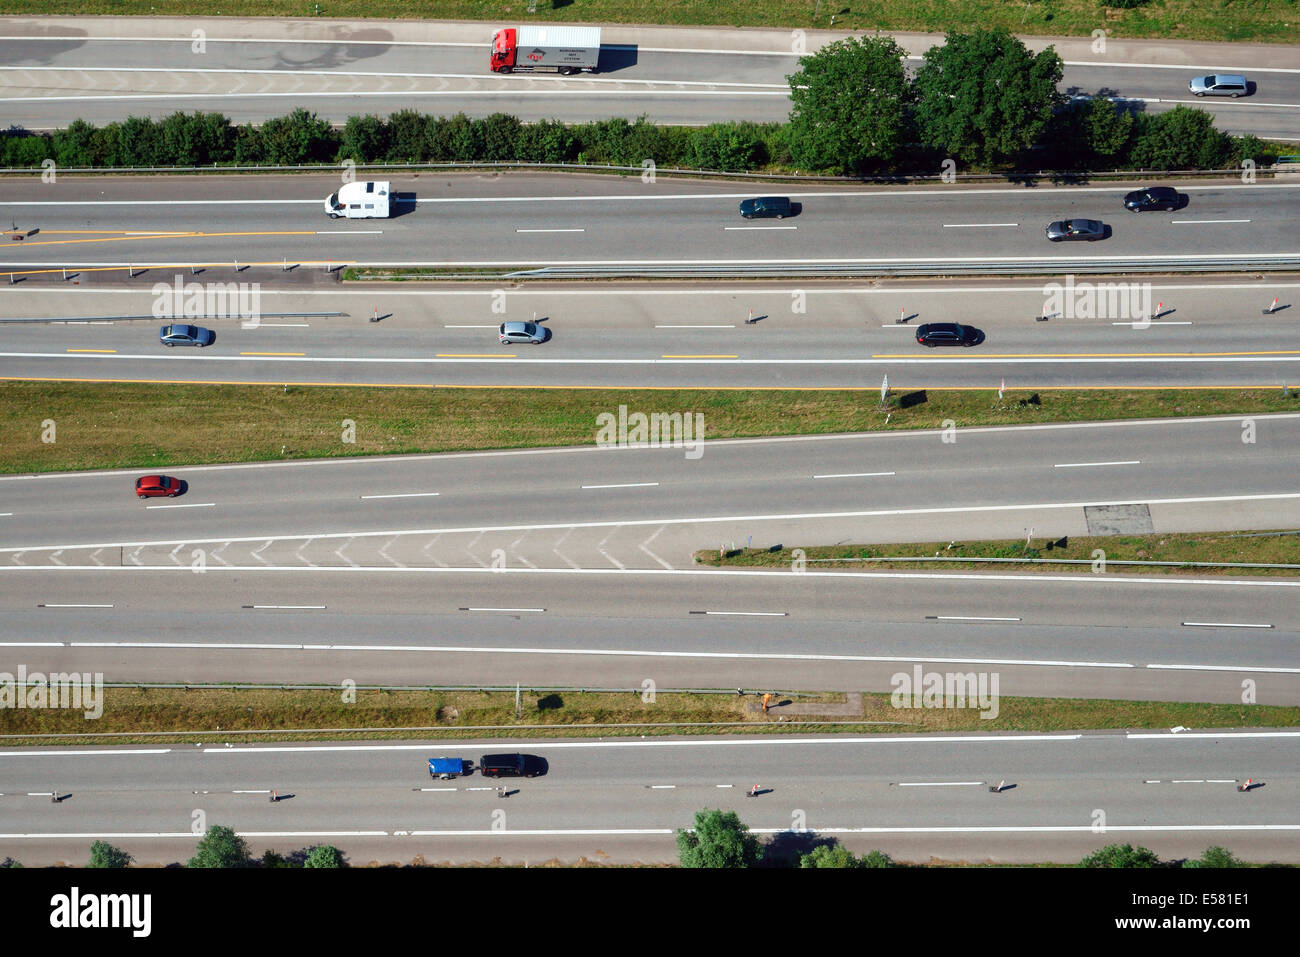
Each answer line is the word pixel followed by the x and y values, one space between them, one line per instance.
pixel 1087 135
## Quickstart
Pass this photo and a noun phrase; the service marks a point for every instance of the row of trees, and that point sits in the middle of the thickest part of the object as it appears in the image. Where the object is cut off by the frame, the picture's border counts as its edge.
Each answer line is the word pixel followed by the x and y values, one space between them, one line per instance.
pixel 220 846
pixel 721 839
pixel 1086 134
pixel 984 100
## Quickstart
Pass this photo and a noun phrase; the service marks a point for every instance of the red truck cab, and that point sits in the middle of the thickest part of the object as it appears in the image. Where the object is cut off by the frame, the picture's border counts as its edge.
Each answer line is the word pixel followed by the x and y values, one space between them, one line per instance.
pixel 503 50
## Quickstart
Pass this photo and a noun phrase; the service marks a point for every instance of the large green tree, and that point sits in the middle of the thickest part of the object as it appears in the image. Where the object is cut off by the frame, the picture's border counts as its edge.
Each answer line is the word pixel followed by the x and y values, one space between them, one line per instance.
pixel 1183 138
pixel 220 846
pixel 719 839
pixel 323 855
pixel 983 97
pixel 103 854
pixel 850 105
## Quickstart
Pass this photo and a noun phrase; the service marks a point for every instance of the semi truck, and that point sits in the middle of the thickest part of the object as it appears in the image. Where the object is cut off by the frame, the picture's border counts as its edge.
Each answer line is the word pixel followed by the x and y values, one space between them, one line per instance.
pixel 532 49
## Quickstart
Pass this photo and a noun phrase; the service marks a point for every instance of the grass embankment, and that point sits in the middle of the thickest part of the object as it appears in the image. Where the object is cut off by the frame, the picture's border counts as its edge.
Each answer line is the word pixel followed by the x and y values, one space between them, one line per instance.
pixel 1215 548
pixel 1261 20
pixel 215 714
pixel 101 425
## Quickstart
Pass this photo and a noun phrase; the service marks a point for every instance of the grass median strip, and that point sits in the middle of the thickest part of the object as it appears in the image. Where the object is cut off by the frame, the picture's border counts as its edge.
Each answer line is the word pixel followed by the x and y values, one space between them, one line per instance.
pixel 160 715
pixel 69 426
pixel 1173 554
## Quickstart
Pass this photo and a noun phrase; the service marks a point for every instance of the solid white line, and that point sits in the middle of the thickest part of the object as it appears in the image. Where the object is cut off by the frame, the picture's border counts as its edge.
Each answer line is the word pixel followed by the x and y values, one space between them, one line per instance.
pixel 975 225
pixel 970 618
pixel 663 787
pixel 437 790
pixel 1086 465
pixel 755 228
pixel 663 361
pixel 602 652
pixel 937 784
pixel 43 605
pixel 1191 221
pixel 695 327
pixel 505 609
pixel 1239 668
pixel 550 230
pixel 404 495
pixel 193 505
pixel 287 607
pixel 1166 736
pixel 1222 624
pixel 629 485
pixel 751 614
pixel 852 475
pixel 6 514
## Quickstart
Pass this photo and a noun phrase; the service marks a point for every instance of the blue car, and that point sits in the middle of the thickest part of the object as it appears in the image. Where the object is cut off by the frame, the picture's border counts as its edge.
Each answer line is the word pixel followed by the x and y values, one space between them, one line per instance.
pixel 185 336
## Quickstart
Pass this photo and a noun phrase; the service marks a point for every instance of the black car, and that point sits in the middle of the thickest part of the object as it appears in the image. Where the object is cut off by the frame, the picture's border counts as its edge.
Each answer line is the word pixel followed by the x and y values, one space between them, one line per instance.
pixel 1152 197
pixel 947 334
pixel 511 766
pixel 764 207
pixel 1074 230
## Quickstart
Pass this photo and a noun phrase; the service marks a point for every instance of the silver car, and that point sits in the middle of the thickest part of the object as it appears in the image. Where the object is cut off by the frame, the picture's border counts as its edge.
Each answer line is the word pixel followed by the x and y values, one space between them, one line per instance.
pixel 1064 230
pixel 180 335
pixel 529 332
pixel 1219 84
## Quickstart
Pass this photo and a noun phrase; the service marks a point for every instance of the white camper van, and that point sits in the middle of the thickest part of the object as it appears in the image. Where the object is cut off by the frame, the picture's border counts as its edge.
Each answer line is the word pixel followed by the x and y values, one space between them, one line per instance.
pixel 359 201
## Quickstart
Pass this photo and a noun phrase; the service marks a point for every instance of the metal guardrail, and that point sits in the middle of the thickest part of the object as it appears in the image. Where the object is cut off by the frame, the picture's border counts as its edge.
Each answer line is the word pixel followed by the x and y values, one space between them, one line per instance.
pixel 1110 265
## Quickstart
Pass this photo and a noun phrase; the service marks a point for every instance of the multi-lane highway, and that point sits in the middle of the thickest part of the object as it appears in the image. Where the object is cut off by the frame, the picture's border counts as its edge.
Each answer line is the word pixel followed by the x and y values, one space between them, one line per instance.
pixel 56 70
pixel 575 567
pixel 525 221
pixel 1063 795
pixel 565 566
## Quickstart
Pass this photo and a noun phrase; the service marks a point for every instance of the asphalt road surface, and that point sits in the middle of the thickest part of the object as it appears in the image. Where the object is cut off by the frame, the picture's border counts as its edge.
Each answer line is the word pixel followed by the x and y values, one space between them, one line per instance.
pixel 370 567
pixel 56 70
pixel 1062 796
pixel 527 221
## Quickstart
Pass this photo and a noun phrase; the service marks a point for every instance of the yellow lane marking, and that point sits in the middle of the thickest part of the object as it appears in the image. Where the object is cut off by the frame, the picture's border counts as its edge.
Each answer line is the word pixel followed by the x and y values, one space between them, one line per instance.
pixel 1049 390
pixel 273 353
pixel 193 235
pixel 1095 355
pixel 92 350
pixel 699 357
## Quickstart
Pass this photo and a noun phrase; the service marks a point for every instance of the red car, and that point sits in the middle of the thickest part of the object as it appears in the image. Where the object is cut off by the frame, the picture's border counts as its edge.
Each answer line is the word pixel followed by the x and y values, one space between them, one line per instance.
pixel 151 486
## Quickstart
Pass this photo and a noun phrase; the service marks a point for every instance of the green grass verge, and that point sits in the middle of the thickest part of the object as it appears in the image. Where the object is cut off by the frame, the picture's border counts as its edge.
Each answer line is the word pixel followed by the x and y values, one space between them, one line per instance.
pixel 119 425
pixel 1261 20
pixel 215 714
pixel 1279 547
